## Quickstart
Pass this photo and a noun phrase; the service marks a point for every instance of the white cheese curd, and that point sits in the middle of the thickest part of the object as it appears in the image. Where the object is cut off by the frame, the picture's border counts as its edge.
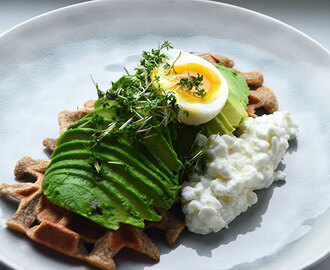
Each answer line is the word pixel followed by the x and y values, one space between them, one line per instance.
pixel 235 166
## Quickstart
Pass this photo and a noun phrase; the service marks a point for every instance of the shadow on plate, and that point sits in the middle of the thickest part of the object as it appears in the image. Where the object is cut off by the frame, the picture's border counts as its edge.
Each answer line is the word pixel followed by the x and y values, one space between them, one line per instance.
pixel 293 146
pixel 140 261
pixel 119 67
pixel 47 152
pixel 11 206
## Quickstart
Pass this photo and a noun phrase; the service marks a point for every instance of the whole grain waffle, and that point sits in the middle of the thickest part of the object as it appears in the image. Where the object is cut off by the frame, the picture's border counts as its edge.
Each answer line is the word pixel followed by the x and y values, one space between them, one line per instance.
pixel 72 234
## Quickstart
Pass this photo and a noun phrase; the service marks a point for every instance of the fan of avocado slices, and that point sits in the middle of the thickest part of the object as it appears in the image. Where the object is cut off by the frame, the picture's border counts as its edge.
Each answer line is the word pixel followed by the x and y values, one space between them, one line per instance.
pixel 125 158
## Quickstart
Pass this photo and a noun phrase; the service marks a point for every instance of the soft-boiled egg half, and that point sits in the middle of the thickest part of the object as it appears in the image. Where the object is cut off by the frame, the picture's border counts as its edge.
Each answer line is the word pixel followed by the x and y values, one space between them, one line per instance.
pixel 199 103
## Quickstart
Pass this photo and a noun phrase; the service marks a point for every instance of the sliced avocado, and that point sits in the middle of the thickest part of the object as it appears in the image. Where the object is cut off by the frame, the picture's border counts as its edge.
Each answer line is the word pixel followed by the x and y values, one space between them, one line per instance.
pixel 236 83
pixel 111 154
pixel 125 210
pixel 87 175
pixel 108 113
pixel 103 117
pixel 167 135
pixel 111 159
pixel 81 198
pixel 143 203
pixel 71 145
pixel 126 155
pixel 99 103
pixel 76 137
pixel 221 117
pixel 127 178
pixel 219 124
pixel 75 134
pixel 74 164
pixel 142 183
pixel 83 154
pixel 158 146
pixel 234 112
pixel 154 159
pixel 135 152
pixel 81 168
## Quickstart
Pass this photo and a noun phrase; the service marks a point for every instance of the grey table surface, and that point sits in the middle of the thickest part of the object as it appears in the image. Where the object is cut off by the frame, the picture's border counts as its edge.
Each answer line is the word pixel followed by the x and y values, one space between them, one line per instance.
pixel 310 17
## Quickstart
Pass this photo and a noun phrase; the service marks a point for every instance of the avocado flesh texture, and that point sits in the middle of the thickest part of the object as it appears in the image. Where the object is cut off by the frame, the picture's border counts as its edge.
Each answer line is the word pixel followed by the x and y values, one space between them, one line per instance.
pixel 155 160
pixel 114 205
pixel 79 196
pixel 137 151
pixel 138 166
pixel 219 124
pixel 127 189
pixel 234 111
pixel 159 147
pixel 123 146
pixel 140 180
pixel 112 153
pixel 233 114
pixel 159 168
pixel 142 203
pixel 129 184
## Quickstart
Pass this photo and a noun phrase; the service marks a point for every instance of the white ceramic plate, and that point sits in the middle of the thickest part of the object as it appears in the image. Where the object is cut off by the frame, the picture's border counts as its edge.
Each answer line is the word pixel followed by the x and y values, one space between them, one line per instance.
pixel 44 68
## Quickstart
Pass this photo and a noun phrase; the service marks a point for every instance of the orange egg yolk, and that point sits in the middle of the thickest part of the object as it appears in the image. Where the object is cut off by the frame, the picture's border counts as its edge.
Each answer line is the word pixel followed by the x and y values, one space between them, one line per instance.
pixel 210 83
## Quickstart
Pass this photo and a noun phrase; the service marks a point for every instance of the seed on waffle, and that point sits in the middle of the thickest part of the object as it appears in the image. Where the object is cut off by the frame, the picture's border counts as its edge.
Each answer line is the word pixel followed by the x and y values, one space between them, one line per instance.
pixel 72 234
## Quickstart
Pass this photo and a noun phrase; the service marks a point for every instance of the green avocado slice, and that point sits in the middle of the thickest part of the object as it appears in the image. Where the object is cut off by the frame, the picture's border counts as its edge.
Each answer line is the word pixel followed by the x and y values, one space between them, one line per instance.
pixel 142 203
pixel 158 146
pixel 133 183
pixel 140 152
pixel 234 112
pixel 66 191
pixel 70 164
pixel 84 135
pixel 122 151
pixel 126 158
pixel 150 179
pixel 111 159
pixel 159 168
pixel 82 168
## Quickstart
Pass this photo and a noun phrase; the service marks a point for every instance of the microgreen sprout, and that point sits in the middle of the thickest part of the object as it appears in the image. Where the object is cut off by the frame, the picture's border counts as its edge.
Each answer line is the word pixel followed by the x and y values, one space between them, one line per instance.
pixel 137 104
pixel 193 84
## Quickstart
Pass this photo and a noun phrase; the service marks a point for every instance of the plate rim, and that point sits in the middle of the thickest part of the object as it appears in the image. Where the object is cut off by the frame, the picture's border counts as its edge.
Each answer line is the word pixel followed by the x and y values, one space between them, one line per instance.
pixel 212 2
pixel 12 30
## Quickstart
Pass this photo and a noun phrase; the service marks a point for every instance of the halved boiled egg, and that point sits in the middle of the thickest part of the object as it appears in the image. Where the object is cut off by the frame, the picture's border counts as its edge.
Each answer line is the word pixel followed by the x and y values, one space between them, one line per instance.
pixel 199 87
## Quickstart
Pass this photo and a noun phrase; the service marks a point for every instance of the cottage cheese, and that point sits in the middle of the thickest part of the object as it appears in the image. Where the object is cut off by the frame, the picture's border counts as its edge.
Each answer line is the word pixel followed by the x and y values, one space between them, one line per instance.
pixel 235 167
